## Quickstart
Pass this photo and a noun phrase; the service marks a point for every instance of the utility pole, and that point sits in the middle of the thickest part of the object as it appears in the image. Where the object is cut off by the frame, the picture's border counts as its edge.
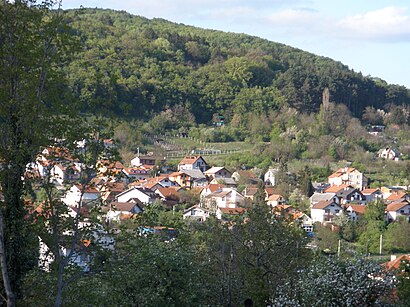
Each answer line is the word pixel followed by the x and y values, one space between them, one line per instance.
pixel 381 243
pixel 338 249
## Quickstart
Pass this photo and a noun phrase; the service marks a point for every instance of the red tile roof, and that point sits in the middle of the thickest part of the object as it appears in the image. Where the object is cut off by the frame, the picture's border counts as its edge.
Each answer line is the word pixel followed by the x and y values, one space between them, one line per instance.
pixel 395 264
pixel 322 204
pixel 396 206
pixel 190 159
pixel 369 191
pixel 169 193
pixel 215 187
pixel 341 171
pixel 336 188
pixel 396 196
pixel 358 208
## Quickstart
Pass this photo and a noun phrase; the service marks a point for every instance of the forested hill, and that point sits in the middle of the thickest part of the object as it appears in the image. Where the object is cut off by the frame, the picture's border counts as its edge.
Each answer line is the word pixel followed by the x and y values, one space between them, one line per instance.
pixel 138 67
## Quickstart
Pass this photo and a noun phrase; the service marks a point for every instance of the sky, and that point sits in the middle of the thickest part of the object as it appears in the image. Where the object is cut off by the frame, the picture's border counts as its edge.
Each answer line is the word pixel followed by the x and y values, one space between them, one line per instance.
pixel 370 36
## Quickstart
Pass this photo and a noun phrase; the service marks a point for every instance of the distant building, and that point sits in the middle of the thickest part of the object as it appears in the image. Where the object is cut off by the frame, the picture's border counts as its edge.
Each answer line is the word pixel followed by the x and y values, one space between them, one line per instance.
pixel 193 162
pixel 389 153
pixel 348 176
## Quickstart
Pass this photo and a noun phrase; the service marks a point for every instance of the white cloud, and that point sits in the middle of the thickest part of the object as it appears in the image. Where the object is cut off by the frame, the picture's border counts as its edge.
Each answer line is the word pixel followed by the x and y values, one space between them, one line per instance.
pixel 295 18
pixel 387 24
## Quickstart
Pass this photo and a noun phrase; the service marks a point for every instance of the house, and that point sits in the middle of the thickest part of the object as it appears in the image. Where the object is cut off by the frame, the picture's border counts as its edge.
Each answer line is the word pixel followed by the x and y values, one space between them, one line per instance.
pixel 225 198
pixel 389 153
pixel 349 176
pixel 79 257
pixel 397 196
pixel 397 209
pixel 349 195
pixel 270 176
pixel 246 177
pixel 218 173
pixel 318 197
pixel 79 193
pixel 169 195
pixel 142 194
pixel 275 200
pixel 389 190
pixel 376 129
pixel 227 182
pixel 355 212
pixel 196 213
pixel 109 190
pixel 66 172
pixel 136 173
pixel 149 160
pixel 325 211
pixel 119 209
pixel 305 221
pixel 223 213
pixel 251 191
pixel 189 178
pixel 211 188
pixel 193 163
pixel 372 194
pixel 109 168
pixel 162 180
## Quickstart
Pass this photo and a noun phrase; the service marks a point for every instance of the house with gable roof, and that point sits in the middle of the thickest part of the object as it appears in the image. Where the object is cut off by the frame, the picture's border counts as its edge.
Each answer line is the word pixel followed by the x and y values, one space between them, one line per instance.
pixel 349 195
pixel 148 160
pixel 170 195
pixel 189 179
pixel 120 209
pixel 78 193
pixel 389 153
pixel 276 200
pixel 192 163
pixel 349 176
pixel 372 194
pixel 325 211
pixel 355 212
pixel 326 196
pixel 397 196
pixel 196 213
pixel 218 173
pixel 225 198
pixel 225 213
pixel 397 209
pixel 270 176
pixel 142 194
pixel 136 173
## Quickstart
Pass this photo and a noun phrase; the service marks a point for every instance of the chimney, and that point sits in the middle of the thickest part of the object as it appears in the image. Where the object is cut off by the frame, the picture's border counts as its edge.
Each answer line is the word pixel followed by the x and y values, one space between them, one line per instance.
pixel 393 257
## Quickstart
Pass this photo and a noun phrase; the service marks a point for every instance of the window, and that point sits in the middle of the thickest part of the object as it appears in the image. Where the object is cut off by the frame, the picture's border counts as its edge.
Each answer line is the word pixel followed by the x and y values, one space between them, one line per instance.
pixel 337 211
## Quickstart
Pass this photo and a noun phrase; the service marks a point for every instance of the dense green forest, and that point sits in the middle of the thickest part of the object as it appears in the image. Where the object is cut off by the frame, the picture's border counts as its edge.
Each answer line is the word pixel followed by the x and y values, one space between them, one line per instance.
pixel 136 67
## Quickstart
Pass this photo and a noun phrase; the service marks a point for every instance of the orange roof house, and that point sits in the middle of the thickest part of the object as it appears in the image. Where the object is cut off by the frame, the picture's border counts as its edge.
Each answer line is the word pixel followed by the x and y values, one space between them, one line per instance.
pixel 349 176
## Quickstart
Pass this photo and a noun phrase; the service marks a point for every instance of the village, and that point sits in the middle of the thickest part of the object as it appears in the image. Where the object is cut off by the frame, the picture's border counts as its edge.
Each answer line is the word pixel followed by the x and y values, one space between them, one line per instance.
pixel 199 191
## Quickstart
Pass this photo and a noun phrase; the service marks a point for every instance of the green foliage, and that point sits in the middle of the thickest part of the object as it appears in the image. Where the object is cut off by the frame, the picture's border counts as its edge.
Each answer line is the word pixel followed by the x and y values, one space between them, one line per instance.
pixel 403 286
pixel 328 282
pixel 326 239
pixel 397 236
pixel 135 66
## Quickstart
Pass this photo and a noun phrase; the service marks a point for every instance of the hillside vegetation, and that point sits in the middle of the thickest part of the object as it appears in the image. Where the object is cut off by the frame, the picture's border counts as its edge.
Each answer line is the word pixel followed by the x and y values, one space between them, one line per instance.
pixel 137 67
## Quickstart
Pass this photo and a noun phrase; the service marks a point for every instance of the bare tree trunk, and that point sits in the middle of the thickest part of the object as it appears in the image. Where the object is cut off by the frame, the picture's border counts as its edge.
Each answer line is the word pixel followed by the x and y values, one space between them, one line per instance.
pixel 11 300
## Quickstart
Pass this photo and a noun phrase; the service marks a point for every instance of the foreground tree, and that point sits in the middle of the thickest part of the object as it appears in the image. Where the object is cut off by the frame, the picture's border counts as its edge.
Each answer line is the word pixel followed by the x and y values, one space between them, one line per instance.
pixel 31 101
pixel 332 282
